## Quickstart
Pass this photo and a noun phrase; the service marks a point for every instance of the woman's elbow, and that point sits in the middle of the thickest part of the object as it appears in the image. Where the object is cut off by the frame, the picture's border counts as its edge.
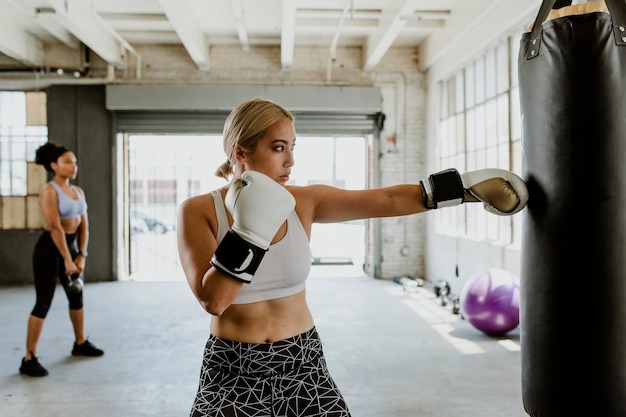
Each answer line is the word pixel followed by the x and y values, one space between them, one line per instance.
pixel 56 228
pixel 215 293
pixel 214 307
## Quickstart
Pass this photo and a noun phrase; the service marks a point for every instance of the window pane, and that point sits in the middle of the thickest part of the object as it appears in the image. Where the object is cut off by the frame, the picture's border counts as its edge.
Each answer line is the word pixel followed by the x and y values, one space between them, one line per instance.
pixel 503 118
pixel 5 178
pixel 516 156
pixel 443 96
pixel 479 79
pixel 451 96
pixel 504 157
pixel 443 142
pixel 451 138
pixel 516 112
pixel 12 109
pixel 481 160
pixel 470 84
pixel 490 74
pixel 460 93
pixel 491 123
pixel 471 130
pixel 502 67
pixel 481 129
pixel 18 178
pixel 18 150
pixel 460 162
pixel 471 161
pixel 515 42
pixel 492 157
pixel 460 133
pixel 18 141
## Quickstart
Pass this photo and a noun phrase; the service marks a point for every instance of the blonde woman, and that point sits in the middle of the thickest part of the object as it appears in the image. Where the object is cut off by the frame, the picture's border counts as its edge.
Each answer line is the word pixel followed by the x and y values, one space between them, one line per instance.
pixel 245 252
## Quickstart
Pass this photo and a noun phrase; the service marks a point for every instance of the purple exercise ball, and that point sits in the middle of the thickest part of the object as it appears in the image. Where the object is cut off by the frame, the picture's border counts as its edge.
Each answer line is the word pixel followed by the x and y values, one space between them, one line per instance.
pixel 489 300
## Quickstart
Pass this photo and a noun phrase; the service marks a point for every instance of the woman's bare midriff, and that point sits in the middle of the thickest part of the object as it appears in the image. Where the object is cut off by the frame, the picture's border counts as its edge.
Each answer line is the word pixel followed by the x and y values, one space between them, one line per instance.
pixel 70 226
pixel 265 321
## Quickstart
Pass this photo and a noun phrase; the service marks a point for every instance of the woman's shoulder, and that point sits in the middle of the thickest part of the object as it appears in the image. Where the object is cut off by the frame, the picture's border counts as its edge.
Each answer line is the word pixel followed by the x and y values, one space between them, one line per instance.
pixel 196 201
pixel 314 192
pixel 201 204
pixel 79 190
pixel 197 212
pixel 308 190
pixel 308 198
pixel 48 190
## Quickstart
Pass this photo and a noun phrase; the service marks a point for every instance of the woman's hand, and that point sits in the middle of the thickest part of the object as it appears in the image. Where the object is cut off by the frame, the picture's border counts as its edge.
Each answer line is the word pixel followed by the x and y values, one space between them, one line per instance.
pixel 71 268
pixel 80 262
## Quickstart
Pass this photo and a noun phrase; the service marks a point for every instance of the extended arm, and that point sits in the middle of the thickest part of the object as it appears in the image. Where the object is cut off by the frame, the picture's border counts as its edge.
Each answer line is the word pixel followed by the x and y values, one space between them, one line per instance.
pixel 501 192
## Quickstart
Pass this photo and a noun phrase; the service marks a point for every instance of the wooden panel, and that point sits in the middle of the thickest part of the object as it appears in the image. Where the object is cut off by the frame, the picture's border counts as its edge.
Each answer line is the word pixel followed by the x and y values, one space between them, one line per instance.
pixel 34 217
pixel 13 212
pixel 36 109
pixel 36 178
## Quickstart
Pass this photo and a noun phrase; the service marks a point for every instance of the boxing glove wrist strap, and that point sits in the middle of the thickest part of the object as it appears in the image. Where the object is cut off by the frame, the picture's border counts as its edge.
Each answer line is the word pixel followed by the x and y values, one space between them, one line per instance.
pixel 237 258
pixel 443 189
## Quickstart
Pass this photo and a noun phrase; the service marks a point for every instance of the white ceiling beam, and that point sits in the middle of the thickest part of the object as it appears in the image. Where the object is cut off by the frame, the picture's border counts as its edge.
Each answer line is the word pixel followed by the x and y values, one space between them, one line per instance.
pixel 431 14
pixel 424 25
pixel 59 32
pixel 336 14
pixel 85 24
pixel 242 31
pixel 470 28
pixel 390 26
pixel 192 37
pixel 288 33
pixel 19 44
pixel 53 28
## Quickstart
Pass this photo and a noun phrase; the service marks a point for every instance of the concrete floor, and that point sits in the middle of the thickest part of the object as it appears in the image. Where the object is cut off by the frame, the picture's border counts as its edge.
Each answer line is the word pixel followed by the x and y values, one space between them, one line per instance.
pixel 393 353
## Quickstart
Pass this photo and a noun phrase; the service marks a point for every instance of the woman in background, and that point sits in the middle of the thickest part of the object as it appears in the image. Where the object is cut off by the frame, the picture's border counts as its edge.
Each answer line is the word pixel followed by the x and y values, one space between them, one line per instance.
pixel 60 252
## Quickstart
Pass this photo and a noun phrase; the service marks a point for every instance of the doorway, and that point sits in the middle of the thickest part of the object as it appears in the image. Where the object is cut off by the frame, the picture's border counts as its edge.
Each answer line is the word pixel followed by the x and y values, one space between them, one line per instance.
pixel 160 171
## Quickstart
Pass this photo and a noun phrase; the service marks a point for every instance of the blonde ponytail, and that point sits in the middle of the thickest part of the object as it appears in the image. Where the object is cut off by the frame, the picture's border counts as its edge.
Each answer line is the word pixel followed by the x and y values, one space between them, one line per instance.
pixel 245 126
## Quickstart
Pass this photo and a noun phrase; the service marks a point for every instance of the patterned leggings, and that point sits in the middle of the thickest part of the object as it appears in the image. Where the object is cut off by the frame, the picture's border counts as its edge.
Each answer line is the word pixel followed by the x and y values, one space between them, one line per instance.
pixel 288 378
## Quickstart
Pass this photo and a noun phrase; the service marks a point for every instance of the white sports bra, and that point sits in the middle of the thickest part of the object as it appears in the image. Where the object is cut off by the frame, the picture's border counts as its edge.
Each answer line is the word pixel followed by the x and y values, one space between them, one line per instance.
pixel 285 267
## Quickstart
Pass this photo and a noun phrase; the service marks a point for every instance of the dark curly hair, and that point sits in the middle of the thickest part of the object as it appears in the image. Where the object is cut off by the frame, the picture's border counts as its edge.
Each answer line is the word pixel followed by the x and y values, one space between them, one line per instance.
pixel 48 153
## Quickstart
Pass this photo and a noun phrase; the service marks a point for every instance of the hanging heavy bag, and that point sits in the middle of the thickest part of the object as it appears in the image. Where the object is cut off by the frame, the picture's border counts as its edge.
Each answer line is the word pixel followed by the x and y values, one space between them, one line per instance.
pixel 572 82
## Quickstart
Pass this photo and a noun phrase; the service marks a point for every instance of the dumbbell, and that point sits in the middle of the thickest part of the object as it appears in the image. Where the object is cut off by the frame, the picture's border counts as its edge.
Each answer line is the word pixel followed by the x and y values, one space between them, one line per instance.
pixel 442 290
pixel 75 282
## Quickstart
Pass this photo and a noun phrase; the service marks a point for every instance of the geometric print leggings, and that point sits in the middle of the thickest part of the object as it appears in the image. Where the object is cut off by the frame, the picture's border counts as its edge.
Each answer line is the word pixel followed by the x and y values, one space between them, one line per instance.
pixel 288 378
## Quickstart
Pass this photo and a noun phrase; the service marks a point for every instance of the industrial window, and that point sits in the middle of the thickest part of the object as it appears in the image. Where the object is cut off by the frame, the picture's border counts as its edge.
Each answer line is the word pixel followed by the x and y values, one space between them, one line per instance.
pixel 480 128
pixel 23 128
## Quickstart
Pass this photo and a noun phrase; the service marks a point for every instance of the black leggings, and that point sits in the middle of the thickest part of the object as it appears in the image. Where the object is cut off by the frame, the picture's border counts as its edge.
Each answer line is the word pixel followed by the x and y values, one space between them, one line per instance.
pixel 48 265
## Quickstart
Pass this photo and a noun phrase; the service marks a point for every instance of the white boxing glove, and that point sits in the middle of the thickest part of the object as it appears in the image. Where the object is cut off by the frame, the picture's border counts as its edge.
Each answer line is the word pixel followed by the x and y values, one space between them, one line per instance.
pixel 501 192
pixel 259 206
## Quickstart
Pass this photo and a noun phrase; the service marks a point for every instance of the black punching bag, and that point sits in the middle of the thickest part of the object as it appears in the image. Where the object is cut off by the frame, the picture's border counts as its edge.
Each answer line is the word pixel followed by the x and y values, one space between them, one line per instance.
pixel 572 81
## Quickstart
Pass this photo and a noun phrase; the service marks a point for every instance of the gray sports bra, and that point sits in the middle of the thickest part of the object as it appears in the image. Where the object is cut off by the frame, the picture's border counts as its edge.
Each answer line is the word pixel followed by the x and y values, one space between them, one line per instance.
pixel 68 207
pixel 284 268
